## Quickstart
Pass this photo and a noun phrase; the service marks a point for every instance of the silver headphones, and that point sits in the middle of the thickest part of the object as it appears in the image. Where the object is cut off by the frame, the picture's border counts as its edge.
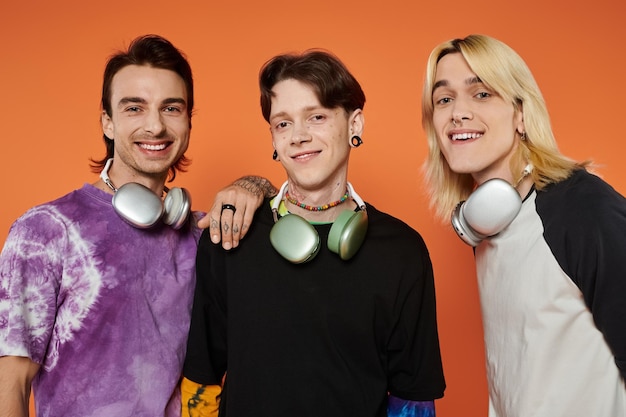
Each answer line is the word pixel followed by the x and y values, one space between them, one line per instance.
pixel 141 208
pixel 296 240
pixel 488 210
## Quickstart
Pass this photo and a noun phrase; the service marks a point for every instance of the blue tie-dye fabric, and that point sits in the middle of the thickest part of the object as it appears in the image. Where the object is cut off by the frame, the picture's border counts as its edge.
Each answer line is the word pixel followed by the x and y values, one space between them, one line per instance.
pixel 398 407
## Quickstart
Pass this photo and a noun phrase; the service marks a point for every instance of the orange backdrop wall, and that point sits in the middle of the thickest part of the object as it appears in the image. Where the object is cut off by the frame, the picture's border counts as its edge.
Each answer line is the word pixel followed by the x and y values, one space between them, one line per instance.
pixel 53 54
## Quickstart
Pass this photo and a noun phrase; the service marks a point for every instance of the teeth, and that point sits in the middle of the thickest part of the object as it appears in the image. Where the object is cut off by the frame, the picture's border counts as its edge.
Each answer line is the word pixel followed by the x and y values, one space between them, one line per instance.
pixel 153 147
pixel 464 136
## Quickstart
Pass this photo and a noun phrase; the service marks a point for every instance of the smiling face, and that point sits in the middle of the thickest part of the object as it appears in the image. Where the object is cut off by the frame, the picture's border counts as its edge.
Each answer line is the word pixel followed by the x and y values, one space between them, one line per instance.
pixel 312 141
pixel 475 127
pixel 149 123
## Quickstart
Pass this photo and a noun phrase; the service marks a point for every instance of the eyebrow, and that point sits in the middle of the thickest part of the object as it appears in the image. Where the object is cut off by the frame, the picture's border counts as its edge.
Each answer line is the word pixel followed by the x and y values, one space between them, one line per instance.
pixel 445 83
pixel 305 109
pixel 138 100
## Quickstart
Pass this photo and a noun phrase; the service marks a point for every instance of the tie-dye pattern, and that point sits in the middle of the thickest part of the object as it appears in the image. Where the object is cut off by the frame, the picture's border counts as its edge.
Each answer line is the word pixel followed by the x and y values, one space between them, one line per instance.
pixel 398 407
pixel 29 311
pixel 102 306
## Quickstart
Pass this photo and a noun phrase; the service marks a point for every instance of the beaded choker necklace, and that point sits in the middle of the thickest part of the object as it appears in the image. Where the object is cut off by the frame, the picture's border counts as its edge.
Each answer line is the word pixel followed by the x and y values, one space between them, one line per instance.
pixel 314 208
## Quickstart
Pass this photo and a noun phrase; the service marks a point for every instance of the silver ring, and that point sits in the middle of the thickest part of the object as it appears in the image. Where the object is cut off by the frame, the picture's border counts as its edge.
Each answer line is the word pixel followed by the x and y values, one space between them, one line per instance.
pixel 229 207
pixel 454 122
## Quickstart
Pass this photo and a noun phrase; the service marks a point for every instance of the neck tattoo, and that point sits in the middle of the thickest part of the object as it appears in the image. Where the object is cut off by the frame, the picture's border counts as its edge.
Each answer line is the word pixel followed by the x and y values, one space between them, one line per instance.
pixel 316 208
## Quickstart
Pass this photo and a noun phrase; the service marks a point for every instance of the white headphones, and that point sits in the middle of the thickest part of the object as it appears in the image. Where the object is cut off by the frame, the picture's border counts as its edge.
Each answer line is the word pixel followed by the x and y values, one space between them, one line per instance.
pixel 296 240
pixel 141 208
pixel 488 210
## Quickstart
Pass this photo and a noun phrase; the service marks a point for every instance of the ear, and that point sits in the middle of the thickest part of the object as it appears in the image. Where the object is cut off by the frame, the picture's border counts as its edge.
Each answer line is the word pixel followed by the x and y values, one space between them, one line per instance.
pixel 518 120
pixel 107 125
pixel 356 122
pixel 274 149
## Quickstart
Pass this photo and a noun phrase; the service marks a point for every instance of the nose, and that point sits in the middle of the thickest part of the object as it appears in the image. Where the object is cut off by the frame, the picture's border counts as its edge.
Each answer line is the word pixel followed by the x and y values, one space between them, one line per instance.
pixel 301 133
pixel 154 123
pixel 461 112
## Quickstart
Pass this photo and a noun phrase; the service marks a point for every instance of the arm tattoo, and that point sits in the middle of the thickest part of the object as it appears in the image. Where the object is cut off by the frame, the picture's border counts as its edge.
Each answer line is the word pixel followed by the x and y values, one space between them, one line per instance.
pixel 257 185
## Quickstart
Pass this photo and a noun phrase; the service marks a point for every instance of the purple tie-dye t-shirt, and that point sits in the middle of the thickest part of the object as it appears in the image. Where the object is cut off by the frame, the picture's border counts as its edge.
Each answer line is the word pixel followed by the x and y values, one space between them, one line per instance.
pixel 102 306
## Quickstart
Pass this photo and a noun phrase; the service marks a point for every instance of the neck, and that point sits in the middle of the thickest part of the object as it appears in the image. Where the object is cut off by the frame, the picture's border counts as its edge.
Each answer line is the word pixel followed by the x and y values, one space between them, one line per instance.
pixel 319 206
pixel 326 216
pixel 112 177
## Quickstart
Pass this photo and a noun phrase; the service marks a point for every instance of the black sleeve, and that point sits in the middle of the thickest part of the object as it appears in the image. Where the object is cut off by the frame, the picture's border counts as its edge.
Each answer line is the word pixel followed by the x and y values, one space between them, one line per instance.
pixel 415 366
pixel 588 237
pixel 205 362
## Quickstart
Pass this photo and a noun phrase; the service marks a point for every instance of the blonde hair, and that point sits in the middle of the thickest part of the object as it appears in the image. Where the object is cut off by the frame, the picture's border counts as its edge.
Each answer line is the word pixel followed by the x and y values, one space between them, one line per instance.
pixel 501 69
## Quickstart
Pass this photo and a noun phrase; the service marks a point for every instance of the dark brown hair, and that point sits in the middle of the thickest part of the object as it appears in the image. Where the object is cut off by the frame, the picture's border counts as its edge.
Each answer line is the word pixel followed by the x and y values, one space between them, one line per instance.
pixel 329 78
pixel 154 51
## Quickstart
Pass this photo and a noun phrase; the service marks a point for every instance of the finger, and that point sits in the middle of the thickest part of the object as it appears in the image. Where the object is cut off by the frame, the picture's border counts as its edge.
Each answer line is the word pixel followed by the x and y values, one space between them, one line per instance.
pixel 214 222
pixel 246 207
pixel 237 219
pixel 226 223
pixel 236 227
pixel 204 222
pixel 246 219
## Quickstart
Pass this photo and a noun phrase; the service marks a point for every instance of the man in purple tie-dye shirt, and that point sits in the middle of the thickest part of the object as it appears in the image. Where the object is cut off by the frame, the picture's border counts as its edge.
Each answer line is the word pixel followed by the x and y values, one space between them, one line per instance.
pixel 95 297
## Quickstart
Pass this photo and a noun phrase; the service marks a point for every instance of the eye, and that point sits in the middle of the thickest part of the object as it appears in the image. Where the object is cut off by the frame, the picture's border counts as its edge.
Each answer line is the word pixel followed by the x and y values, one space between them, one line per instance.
pixel 132 109
pixel 317 118
pixel 483 95
pixel 280 125
pixel 172 109
pixel 442 101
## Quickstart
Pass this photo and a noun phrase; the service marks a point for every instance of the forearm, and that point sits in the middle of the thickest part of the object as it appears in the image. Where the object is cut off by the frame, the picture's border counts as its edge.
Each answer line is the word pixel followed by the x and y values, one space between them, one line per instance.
pixel 16 374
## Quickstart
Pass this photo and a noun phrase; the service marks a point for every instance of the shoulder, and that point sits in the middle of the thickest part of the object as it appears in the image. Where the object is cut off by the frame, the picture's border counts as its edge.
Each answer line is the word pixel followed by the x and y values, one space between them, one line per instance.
pixel 57 220
pixel 389 228
pixel 584 223
pixel 583 198
pixel 382 219
pixel 580 187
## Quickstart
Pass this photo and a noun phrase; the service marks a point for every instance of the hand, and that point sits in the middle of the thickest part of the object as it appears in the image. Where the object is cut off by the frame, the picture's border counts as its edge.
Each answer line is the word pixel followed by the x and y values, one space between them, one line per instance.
pixel 234 208
pixel 230 217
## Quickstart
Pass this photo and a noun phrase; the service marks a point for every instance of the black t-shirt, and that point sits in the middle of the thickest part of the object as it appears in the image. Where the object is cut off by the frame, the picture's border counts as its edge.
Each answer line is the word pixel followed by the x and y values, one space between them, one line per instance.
pixel 324 338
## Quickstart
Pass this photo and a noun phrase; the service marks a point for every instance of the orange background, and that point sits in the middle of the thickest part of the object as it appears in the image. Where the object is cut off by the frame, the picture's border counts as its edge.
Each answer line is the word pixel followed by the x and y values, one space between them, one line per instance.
pixel 53 54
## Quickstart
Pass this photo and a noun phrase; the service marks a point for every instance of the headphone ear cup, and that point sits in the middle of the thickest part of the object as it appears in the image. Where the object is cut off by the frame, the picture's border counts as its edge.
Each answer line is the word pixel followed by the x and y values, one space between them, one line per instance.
pixel 347 233
pixel 464 230
pixel 177 205
pixel 295 239
pixel 488 210
pixel 137 205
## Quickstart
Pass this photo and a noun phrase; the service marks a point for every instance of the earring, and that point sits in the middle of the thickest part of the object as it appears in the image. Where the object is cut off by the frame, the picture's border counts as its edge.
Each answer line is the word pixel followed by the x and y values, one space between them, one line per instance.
pixel 356 141
pixel 523 136
pixel 275 155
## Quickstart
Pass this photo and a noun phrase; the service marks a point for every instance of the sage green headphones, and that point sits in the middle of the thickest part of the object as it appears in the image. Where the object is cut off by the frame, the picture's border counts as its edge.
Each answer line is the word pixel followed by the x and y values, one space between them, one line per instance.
pixel 296 240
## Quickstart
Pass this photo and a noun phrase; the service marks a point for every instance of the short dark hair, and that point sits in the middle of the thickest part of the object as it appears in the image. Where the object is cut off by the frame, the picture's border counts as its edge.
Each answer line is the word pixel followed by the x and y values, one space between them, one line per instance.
pixel 154 51
pixel 329 78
